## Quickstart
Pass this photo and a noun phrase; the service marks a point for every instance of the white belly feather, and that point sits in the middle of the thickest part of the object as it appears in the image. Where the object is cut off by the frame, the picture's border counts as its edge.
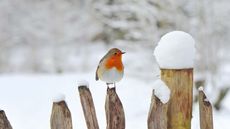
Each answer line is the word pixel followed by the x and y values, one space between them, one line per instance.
pixel 112 75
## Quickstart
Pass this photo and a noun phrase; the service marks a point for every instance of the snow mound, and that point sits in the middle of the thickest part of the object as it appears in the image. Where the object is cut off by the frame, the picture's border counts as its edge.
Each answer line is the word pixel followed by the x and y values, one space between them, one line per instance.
pixel 201 88
pixel 206 100
pixel 59 98
pixel 161 90
pixel 175 50
pixel 83 83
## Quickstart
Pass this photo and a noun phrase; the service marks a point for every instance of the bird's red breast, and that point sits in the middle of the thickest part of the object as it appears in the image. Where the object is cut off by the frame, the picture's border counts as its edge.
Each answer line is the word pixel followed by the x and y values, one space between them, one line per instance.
pixel 114 61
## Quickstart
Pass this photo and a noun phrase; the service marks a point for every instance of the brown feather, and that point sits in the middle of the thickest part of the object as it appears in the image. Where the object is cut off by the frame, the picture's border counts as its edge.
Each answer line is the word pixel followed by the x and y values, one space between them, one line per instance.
pixel 96 77
pixel 97 74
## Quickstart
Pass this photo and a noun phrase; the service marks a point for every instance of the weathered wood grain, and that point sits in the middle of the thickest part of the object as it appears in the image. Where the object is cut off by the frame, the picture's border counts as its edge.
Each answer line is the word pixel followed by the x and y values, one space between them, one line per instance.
pixel 115 115
pixel 88 107
pixel 4 123
pixel 180 82
pixel 157 117
pixel 206 117
pixel 61 116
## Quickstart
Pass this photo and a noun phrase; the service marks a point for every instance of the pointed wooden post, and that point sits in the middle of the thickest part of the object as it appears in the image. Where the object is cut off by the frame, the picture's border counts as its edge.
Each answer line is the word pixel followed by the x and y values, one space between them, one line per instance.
pixel 157 117
pixel 175 55
pixel 115 115
pixel 61 116
pixel 206 118
pixel 4 123
pixel 88 107
pixel 180 82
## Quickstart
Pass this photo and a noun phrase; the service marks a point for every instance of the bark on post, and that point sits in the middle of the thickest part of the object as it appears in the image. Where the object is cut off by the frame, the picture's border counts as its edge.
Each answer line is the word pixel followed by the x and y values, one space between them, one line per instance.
pixel 61 116
pixel 88 107
pixel 4 123
pixel 157 117
pixel 115 115
pixel 206 118
pixel 180 83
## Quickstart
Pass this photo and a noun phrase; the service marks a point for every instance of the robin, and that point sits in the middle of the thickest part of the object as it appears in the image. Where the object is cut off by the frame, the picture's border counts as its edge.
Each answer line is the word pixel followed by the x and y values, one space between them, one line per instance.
pixel 110 68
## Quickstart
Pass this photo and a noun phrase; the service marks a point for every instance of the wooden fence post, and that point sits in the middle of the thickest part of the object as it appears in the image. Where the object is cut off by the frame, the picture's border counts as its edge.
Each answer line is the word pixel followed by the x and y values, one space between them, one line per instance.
pixel 157 117
pixel 4 123
pixel 206 118
pixel 88 107
pixel 115 115
pixel 61 116
pixel 180 82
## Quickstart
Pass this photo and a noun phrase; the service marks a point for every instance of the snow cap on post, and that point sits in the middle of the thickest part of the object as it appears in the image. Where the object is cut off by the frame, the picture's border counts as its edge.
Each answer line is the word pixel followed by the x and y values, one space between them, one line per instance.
pixel 201 88
pixel 175 50
pixel 83 83
pixel 162 91
pixel 58 98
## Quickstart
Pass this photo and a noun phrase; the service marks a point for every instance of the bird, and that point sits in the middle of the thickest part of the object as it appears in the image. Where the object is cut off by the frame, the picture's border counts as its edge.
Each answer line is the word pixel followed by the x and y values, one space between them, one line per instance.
pixel 110 68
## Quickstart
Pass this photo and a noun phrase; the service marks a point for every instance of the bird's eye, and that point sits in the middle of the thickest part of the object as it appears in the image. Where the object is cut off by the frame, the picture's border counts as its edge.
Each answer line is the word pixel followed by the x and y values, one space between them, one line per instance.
pixel 115 53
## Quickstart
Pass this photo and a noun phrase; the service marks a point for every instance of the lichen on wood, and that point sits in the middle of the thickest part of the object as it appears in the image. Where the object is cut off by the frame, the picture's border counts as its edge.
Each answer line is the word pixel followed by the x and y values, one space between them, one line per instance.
pixel 180 83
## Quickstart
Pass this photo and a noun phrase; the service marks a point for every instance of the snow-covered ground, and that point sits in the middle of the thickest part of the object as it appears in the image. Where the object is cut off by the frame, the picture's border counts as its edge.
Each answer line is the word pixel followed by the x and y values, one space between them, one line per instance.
pixel 27 100
pixel 67 37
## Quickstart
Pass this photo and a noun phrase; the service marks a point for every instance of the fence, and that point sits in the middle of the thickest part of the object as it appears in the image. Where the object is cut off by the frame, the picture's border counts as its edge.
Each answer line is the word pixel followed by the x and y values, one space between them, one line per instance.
pixel 176 114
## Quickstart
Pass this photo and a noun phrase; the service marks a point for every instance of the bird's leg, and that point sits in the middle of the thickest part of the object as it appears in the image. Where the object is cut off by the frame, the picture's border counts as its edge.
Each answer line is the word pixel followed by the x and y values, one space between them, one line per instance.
pixel 107 85
pixel 111 85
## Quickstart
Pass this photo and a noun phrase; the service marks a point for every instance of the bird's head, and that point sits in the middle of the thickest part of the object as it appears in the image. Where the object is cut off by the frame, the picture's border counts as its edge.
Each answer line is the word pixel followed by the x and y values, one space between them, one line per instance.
pixel 114 59
pixel 115 53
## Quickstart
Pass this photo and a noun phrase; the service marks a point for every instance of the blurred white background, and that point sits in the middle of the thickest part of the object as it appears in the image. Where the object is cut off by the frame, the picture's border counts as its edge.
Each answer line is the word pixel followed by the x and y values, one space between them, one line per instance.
pixel 57 42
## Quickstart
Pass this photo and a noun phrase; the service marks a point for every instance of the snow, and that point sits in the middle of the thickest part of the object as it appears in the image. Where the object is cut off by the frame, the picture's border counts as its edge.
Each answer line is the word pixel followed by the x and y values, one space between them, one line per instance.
pixel 201 88
pixel 83 83
pixel 59 98
pixel 161 90
pixel 111 85
pixel 206 100
pixel 71 36
pixel 30 96
pixel 175 50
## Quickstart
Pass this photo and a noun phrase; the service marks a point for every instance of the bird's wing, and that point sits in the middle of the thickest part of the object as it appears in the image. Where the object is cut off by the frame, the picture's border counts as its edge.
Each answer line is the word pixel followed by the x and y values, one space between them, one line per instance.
pixel 96 73
pixel 96 77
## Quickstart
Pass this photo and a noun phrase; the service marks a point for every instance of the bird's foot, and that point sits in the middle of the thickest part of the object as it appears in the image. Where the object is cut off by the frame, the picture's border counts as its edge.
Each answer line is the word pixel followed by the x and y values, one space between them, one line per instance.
pixel 111 85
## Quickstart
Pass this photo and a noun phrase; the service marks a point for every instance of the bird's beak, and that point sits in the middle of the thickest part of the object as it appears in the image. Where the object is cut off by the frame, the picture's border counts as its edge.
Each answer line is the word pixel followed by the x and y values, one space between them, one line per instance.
pixel 123 52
